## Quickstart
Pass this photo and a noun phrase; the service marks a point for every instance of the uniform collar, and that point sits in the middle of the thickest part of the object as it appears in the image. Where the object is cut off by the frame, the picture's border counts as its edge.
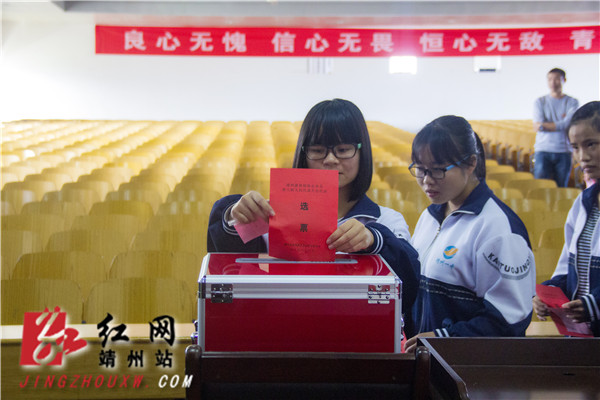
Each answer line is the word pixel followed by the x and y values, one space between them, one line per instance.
pixel 365 207
pixel 473 204
pixel 589 197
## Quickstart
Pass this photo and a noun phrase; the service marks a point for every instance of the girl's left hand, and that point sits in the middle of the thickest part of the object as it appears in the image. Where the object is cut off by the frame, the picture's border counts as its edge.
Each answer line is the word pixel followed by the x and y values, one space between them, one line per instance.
pixel 350 237
pixel 575 310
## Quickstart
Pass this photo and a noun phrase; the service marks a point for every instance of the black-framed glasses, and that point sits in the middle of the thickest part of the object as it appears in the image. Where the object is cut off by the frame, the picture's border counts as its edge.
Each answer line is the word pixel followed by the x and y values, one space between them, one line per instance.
pixel 341 151
pixel 435 173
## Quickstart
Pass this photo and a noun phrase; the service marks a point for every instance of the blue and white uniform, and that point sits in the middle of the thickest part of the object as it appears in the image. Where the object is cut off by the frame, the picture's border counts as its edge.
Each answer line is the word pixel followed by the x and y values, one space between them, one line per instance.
pixel 565 276
pixel 389 229
pixel 477 269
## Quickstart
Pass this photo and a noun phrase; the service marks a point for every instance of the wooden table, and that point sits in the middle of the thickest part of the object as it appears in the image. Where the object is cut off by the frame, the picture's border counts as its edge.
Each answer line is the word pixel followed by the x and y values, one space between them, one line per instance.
pixel 515 368
pixel 81 373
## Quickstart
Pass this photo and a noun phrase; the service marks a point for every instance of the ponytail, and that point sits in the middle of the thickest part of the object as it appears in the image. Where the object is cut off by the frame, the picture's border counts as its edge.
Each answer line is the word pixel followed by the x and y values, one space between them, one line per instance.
pixel 480 171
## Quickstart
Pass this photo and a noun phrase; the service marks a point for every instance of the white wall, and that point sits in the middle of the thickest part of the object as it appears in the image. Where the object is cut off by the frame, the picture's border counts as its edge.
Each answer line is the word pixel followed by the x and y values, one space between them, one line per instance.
pixel 49 70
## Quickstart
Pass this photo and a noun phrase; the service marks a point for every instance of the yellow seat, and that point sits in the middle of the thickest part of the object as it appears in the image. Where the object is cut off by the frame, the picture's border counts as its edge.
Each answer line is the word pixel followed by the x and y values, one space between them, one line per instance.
pixel 139 300
pixel 508 193
pixel 127 225
pixel 552 238
pixel 86 197
pixel 383 172
pixel 85 268
pixel 162 188
pixel 397 180
pixel 383 196
pixel 151 197
pixel 411 218
pixel 7 208
pixel 419 198
pixel 504 177
pixel 21 171
pixel 552 195
pixel 563 204
pixel 14 245
pixel 493 184
pixel 8 177
pixel 18 197
pixel 37 165
pixel 158 264
pixel 188 222
pixel 39 187
pixel 72 171
pixel 407 186
pixel 43 224
pixel 152 175
pixel 30 295
pixel 88 182
pixel 243 186
pixel 68 210
pixel 58 179
pixel 172 240
pixel 140 209
pixel 185 207
pixel 545 262
pixel 526 205
pixel 538 221
pixel 106 243
pixel 216 183
pixel 193 194
pixel 526 185
pixel 494 169
pixel 114 175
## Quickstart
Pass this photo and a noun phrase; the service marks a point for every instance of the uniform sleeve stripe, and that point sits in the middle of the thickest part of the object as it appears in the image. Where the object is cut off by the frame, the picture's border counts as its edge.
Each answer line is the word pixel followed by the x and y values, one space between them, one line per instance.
pixel 592 307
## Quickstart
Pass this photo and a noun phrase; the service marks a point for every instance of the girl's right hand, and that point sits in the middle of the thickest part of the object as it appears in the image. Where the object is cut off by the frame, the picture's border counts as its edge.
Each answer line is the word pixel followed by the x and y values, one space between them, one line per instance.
pixel 540 309
pixel 251 207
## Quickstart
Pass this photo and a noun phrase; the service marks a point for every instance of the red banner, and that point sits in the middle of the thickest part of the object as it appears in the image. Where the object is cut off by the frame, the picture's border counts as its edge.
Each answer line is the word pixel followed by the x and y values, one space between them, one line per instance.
pixel 301 42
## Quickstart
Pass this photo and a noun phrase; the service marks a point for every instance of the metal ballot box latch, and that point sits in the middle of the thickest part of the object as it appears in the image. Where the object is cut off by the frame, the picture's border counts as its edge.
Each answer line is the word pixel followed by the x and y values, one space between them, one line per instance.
pixel 379 294
pixel 221 293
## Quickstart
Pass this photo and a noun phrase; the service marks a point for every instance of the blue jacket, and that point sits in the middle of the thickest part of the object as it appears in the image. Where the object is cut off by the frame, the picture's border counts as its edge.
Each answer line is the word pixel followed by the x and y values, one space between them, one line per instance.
pixel 477 269
pixel 565 276
pixel 389 229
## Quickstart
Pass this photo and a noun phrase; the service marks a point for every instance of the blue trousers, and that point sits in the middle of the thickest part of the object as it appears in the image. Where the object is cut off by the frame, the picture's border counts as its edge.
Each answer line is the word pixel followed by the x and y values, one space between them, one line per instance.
pixel 555 166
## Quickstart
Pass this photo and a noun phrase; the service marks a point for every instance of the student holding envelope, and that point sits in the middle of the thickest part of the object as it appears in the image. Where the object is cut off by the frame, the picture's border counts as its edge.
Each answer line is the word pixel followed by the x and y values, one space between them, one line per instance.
pixel 333 136
pixel 578 269
pixel 477 267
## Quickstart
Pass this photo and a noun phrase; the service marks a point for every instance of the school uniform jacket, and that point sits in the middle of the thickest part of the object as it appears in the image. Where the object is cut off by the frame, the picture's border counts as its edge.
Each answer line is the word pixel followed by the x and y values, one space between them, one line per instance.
pixel 565 276
pixel 388 227
pixel 477 269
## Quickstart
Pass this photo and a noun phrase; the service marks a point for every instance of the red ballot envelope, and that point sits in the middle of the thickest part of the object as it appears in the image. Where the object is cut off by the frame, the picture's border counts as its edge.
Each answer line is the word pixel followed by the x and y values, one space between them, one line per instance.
pixel 305 202
pixel 554 298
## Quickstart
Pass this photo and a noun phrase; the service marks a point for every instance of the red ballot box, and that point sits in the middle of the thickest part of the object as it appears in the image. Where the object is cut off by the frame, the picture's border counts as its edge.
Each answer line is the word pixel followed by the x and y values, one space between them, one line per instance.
pixel 252 302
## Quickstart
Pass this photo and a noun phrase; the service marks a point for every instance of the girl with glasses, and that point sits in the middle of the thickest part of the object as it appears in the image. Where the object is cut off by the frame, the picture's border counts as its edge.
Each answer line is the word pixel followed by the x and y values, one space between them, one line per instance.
pixel 477 267
pixel 333 136
pixel 578 270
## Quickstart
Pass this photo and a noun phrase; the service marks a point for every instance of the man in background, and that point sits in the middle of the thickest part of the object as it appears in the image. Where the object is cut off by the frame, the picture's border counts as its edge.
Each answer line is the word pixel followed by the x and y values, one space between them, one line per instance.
pixel 551 116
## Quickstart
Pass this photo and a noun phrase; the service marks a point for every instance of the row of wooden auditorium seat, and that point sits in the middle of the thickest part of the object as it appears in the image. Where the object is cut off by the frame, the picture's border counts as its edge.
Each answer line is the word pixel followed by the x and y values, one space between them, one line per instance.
pixel 128 300
pixel 179 169
pixel 508 141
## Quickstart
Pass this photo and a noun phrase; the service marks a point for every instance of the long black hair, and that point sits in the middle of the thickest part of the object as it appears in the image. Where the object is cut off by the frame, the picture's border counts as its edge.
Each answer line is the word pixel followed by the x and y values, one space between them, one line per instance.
pixel 451 140
pixel 332 122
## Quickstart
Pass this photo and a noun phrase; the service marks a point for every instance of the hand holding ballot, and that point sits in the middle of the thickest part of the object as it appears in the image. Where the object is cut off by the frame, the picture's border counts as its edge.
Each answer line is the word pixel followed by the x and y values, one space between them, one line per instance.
pixel 350 237
pixel 569 316
pixel 251 207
